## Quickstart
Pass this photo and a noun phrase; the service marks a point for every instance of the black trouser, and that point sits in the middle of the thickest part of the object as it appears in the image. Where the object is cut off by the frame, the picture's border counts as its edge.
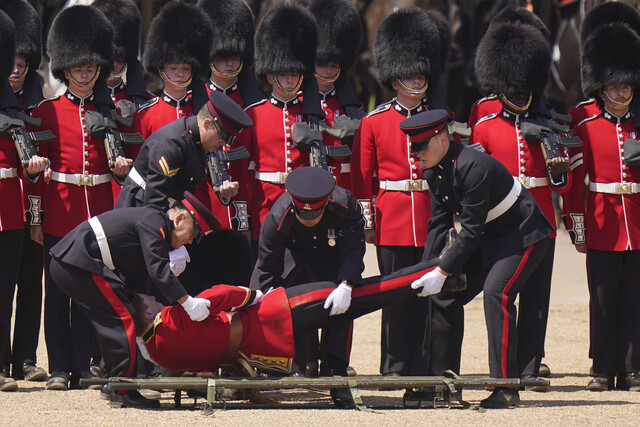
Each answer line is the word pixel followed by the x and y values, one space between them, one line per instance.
pixel 614 316
pixel 404 323
pixel 500 283
pixel 67 331
pixel 533 312
pixel 26 329
pixel 10 247
pixel 102 299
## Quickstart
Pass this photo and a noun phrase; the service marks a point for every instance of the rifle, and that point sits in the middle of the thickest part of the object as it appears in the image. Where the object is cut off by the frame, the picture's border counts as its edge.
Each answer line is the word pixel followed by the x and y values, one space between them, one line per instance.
pixel 551 135
pixel 308 137
pixel 217 164
pixel 104 125
pixel 12 122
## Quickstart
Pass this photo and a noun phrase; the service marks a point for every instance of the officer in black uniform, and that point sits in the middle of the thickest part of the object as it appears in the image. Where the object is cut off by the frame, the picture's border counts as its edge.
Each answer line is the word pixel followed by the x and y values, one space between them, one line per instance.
pixel 98 260
pixel 315 232
pixel 173 159
pixel 504 237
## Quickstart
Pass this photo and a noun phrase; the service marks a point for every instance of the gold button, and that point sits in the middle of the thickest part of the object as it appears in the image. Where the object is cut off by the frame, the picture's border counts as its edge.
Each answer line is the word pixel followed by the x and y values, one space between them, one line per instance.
pixel 289 160
pixel 86 163
pixel 414 176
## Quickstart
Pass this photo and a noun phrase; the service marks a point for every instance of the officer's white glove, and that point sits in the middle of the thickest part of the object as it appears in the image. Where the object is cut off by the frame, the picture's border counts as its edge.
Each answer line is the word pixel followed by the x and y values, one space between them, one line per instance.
pixel 339 299
pixel 178 259
pixel 259 296
pixel 197 308
pixel 431 283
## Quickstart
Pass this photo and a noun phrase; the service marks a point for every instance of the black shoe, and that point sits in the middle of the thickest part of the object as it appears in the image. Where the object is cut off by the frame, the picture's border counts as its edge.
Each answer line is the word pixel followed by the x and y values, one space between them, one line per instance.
pixel 628 381
pixel 501 398
pixel 544 371
pixel 600 382
pixel 131 399
pixel 59 380
pixel 539 388
pixel 7 383
pixel 76 375
pixel 31 372
pixel 105 393
pixel 342 398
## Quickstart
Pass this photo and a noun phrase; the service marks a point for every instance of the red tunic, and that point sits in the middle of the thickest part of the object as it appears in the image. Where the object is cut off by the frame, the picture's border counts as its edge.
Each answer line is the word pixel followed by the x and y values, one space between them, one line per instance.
pixel 271 147
pixel 380 148
pixel 72 152
pixel 184 345
pixel 500 136
pixel 583 110
pixel 331 107
pixel 483 107
pixel 11 208
pixel 611 219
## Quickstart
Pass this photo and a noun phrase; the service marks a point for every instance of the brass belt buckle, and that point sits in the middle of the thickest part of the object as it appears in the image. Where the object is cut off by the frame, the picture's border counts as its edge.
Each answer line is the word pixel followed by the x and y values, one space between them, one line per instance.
pixel 525 181
pixel 624 188
pixel 415 185
pixel 86 180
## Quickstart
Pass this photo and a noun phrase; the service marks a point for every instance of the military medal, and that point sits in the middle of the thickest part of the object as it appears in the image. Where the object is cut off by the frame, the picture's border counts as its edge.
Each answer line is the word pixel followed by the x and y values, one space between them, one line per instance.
pixel 331 236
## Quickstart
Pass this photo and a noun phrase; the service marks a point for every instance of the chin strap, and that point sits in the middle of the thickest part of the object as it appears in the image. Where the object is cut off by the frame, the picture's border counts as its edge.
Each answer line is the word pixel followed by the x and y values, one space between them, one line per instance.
pixel 616 103
pixel 515 108
pixel 22 76
pixel 222 75
pixel 420 91
pixel 329 79
pixel 172 83
pixel 90 83
pixel 118 75
pixel 292 92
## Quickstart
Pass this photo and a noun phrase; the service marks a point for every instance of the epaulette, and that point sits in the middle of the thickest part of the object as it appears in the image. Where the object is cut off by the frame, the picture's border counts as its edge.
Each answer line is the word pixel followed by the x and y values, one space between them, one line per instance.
pixel 486 98
pixel 262 101
pixel 588 119
pixel 149 103
pixel 487 117
pixel 380 108
pixel 583 103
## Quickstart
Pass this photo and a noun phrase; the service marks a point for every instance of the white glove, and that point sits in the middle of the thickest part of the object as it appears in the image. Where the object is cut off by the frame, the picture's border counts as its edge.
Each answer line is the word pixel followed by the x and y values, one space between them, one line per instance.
pixel 197 308
pixel 339 299
pixel 178 259
pixel 431 283
pixel 258 298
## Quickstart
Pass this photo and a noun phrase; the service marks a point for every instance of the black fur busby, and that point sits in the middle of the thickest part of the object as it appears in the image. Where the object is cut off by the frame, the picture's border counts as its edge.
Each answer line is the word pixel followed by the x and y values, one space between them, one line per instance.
pixel 339 31
pixel 180 33
pixel 233 28
pixel 407 42
pixel 26 20
pixel 125 18
pixel 610 54
pixel 512 57
pixel 286 40
pixel 7 46
pixel 80 35
pixel 520 14
pixel 607 13
pixel 444 33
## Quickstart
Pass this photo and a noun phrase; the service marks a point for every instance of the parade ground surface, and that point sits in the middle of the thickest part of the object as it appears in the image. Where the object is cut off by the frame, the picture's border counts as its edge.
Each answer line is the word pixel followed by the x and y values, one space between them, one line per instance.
pixel 566 403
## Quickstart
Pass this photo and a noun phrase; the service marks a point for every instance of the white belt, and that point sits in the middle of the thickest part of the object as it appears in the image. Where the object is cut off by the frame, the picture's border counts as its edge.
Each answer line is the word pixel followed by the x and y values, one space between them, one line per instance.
pixel 8 173
pixel 102 242
pixel 405 185
pixel 506 203
pixel 272 177
pixel 532 181
pixel 137 178
pixel 87 179
pixel 615 187
pixel 345 167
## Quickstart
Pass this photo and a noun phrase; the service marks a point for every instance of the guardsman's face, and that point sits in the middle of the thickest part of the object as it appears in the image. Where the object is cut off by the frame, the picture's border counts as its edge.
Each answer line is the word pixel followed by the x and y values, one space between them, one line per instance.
pixel 118 65
pixel 435 151
pixel 177 73
pixel 227 64
pixel 153 306
pixel 616 97
pixel 183 231
pixel 328 70
pixel 288 80
pixel 410 88
pixel 19 65
pixel 82 74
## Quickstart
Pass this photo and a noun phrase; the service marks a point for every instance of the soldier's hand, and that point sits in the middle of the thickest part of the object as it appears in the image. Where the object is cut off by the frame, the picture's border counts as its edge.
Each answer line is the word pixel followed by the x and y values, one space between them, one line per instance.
pixel 581 247
pixel 339 299
pixel 178 259
pixel 121 167
pixel 229 189
pixel 36 234
pixel 370 236
pixel 47 175
pixel 37 164
pixel 431 283
pixel 558 166
pixel 197 308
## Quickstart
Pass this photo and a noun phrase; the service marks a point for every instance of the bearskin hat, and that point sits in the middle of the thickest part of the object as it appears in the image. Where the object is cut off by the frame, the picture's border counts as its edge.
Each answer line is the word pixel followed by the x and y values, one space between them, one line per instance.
pixel 25 17
pixel 610 54
pixel 339 31
pixel 80 35
pixel 522 15
pixel 7 46
pixel 125 18
pixel 444 32
pixel 233 29
pixel 286 40
pixel 512 57
pixel 181 34
pixel 607 13
pixel 407 42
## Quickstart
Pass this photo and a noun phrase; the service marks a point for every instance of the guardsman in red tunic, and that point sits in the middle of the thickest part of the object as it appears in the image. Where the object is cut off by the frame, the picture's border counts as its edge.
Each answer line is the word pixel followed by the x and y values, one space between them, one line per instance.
pixel 338 43
pixel 604 224
pixel 407 54
pixel 512 61
pixel 25 83
pixel 79 181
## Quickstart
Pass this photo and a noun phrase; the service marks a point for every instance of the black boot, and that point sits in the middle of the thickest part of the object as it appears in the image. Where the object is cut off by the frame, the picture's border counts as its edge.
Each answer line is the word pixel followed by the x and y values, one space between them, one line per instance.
pixel 131 399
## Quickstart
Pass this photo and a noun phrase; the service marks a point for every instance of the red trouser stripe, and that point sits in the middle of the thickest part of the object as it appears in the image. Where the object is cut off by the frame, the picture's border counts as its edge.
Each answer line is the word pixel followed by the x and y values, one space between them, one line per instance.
pixel 124 315
pixel 505 314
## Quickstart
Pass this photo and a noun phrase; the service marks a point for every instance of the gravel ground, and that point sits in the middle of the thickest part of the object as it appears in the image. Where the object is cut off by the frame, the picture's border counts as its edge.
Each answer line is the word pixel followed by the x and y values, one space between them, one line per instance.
pixel 567 402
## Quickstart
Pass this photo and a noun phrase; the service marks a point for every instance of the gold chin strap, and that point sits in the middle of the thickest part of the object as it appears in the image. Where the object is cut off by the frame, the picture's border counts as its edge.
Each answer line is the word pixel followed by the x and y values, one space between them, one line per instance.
pixel 119 74
pixel 22 76
pixel 420 91
pixel 288 92
pixel 90 83
pixel 329 79
pixel 222 75
pixel 172 83
pixel 616 103
pixel 515 108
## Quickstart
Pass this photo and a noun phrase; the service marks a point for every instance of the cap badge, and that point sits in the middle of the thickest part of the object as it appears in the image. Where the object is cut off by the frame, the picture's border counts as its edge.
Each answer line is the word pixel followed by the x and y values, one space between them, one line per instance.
pixel 307 207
